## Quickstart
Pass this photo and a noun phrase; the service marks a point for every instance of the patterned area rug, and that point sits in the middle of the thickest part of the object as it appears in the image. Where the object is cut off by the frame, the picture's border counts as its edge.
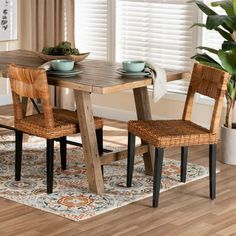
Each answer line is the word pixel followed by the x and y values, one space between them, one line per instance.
pixel 71 198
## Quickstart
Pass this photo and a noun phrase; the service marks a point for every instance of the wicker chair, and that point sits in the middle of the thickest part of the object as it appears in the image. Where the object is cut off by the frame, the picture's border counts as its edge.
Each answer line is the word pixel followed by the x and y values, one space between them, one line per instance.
pixel 51 124
pixel 182 133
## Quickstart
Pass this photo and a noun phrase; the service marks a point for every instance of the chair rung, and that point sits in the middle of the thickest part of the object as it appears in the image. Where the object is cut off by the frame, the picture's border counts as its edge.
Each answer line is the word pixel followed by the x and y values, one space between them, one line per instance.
pixel 80 145
pixel 7 127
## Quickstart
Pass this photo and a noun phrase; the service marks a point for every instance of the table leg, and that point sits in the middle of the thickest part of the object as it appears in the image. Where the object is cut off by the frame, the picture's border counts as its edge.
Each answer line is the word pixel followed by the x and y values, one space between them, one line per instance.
pixel 89 142
pixel 143 111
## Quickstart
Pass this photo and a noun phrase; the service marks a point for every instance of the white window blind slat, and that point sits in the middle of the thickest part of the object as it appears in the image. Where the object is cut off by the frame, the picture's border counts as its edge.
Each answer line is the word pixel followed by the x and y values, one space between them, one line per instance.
pixel 91 27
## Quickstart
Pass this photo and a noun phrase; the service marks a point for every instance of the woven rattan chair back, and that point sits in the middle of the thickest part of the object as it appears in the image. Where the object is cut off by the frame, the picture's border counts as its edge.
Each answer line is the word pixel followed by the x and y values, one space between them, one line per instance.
pixel 31 83
pixel 202 83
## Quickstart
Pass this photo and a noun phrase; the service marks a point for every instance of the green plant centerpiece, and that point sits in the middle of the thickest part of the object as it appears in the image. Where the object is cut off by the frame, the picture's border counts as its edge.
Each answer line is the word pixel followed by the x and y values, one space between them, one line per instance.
pixel 62 49
pixel 225 59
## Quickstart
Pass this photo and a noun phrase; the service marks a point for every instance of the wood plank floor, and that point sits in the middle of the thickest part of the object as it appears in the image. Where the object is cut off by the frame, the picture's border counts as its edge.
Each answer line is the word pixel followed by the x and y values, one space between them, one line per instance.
pixel 186 210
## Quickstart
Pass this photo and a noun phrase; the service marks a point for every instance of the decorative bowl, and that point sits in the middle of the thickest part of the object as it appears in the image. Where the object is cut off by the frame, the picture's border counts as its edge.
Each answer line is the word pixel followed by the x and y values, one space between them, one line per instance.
pixel 62 65
pixel 75 58
pixel 133 66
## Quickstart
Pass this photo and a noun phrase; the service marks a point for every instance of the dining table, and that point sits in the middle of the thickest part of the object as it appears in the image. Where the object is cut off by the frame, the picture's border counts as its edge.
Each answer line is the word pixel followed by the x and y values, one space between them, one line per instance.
pixel 96 77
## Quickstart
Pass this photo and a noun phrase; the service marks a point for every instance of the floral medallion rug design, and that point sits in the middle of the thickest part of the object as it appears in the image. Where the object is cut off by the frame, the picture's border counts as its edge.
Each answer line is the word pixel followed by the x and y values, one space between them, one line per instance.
pixel 70 197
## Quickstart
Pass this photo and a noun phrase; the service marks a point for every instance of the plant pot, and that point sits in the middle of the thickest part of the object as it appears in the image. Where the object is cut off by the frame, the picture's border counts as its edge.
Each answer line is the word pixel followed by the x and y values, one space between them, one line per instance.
pixel 228 145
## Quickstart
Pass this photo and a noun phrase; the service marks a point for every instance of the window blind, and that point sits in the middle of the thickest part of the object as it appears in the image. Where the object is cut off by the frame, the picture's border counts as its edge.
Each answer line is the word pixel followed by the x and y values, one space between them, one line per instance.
pixel 150 30
pixel 157 31
pixel 91 27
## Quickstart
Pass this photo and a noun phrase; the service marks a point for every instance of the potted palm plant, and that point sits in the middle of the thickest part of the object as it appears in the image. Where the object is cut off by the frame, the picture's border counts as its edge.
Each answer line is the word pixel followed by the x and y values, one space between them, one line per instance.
pixel 224 59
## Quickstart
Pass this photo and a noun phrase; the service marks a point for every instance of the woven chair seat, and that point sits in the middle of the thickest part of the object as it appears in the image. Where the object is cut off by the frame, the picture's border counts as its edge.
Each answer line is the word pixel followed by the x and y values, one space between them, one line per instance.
pixel 65 123
pixel 71 116
pixel 171 133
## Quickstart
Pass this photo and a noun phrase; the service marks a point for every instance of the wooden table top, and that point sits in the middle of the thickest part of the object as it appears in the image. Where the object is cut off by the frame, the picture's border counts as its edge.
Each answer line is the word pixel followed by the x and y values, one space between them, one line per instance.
pixel 96 77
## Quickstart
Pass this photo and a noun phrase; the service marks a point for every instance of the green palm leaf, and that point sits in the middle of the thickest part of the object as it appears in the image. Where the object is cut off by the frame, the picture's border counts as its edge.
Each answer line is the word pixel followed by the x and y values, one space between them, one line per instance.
pixel 207 10
pixel 229 23
pixel 231 88
pixel 198 24
pixel 228 60
pixel 227 5
pixel 226 45
pixel 222 32
pixel 205 59
pixel 234 4
pixel 212 50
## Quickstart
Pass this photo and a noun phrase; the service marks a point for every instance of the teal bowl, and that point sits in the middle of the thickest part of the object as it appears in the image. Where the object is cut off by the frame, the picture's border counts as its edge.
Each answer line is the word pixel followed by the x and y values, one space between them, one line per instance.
pixel 62 65
pixel 133 66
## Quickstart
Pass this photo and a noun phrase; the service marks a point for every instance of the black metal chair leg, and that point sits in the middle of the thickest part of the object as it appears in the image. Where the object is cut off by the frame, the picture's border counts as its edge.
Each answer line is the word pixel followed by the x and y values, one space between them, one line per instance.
pixel 63 152
pixel 212 170
pixel 159 152
pixel 102 167
pixel 183 169
pixel 18 154
pixel 99 135
pixel 50 157
pixel 130 158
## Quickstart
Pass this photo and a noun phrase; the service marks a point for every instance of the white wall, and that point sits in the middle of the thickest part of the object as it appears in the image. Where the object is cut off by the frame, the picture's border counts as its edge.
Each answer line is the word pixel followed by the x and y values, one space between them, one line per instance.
pixel 121 106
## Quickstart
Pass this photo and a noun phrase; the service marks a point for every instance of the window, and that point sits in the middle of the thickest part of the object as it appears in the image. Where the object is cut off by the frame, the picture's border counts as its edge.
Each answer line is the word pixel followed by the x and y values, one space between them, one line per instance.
pixel 211 38
pixel 154 30
pixel 91 27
